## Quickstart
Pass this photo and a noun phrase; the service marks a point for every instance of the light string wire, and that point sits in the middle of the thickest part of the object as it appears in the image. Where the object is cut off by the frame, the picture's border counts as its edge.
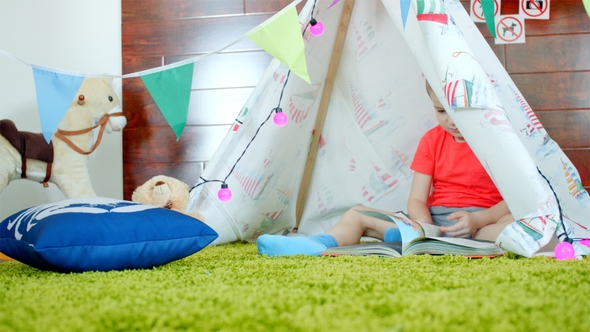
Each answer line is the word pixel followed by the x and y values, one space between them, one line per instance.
pixel 567 238
pixel 274 110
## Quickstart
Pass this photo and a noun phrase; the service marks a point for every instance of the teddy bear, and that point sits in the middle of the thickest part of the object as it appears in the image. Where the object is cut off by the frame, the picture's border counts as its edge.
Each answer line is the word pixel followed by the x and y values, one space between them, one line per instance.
pixel 167 192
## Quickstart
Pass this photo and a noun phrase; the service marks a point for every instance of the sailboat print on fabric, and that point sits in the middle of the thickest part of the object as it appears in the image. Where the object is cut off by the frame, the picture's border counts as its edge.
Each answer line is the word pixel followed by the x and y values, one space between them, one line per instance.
pixel 321 144
pixel 239 120
pixel 369 197
pixel 380 183
pixel 529 229
pixel 574 184
pixel 252 182
pixel 324 200
pixel 401 162
pixel 499 119
pixel 541 221
pixel 533 125
pixel 365 43
pixel 459 93
pixel 285 195
pixel 270 218
pixel 431 10
pixel 300 104
pixel 363 117
pixel 352 161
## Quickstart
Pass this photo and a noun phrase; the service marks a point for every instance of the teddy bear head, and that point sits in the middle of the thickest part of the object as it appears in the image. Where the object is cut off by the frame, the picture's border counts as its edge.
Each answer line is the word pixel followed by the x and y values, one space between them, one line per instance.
pixel 163 191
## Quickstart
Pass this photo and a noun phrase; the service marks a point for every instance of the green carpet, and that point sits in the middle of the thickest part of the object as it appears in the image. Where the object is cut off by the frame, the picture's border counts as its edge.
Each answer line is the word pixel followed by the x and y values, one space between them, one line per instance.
pixel 232 288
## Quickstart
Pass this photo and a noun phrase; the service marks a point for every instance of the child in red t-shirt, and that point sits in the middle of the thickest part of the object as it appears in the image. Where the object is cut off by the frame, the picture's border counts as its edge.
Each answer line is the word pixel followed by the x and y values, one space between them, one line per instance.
pixel 463 201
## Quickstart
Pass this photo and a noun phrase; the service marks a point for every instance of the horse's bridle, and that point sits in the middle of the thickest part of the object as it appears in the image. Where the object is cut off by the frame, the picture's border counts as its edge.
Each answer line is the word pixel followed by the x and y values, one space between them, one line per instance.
pixel 61 134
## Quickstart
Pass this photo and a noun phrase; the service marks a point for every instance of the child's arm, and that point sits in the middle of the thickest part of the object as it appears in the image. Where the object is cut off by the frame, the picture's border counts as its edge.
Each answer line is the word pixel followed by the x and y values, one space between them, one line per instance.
pixel 418 200
pixel 470 222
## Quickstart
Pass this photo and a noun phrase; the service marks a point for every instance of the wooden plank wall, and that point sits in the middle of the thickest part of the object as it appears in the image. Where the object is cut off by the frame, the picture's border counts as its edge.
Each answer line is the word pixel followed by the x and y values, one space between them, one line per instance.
pixel 552 70
pixel 157 32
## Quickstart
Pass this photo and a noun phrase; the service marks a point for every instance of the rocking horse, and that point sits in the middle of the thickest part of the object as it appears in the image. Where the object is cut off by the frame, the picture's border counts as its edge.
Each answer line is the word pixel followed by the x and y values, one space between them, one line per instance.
pixel 64 160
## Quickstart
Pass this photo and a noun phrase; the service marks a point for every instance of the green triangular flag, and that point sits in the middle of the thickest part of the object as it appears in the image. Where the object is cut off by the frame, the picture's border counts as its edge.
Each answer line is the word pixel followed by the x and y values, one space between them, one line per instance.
pixel 488 14
pixel 171 90
pixel 280 36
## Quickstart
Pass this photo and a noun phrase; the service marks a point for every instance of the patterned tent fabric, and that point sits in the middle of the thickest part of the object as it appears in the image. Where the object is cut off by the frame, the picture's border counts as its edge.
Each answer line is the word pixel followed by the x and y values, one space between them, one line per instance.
pixel 377 113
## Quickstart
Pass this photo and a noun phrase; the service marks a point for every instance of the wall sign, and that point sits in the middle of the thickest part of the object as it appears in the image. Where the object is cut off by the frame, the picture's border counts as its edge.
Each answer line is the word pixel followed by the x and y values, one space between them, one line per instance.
pixel 476 10
pixel 510 29
pixel 535 9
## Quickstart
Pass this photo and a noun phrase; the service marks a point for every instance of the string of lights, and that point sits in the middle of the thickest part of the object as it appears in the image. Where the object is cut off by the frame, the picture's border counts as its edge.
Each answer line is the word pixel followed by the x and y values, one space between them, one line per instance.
pixel 564 250
pixel 280 119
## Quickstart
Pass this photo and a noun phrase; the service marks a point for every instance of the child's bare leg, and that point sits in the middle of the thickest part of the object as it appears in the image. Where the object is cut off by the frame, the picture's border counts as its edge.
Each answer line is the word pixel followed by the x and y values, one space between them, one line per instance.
pixel 353 224
pixel 491 231
pixel 348 230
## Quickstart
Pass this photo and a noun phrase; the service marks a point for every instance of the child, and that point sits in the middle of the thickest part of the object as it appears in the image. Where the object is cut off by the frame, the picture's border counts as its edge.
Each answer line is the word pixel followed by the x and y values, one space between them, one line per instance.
pixel 464 200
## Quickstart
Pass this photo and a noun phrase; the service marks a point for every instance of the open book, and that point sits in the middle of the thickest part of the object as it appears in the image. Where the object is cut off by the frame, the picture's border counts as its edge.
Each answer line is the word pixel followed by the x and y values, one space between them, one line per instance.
pixel 417 238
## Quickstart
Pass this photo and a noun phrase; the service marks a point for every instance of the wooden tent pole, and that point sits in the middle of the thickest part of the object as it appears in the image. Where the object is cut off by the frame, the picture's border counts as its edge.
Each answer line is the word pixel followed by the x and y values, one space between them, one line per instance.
pixel 322 110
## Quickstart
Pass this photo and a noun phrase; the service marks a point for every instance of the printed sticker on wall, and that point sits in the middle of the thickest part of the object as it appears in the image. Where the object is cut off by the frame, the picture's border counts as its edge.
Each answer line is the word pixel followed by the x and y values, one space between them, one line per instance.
pixel 476 10
pixel 510 29
pixel 535 9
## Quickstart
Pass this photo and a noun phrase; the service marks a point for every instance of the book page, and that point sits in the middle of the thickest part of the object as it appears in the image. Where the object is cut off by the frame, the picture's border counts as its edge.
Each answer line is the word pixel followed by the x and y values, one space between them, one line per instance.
pixel 431 230
pixel 469 243
pixel 409 229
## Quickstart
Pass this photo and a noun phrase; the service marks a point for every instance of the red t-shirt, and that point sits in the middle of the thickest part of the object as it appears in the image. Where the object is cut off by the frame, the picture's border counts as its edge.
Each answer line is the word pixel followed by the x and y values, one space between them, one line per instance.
pixel 458 178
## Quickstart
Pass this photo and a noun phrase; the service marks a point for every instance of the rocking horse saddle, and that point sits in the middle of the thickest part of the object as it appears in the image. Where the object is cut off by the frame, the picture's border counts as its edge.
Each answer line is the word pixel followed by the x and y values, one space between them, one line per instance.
pixel 29 145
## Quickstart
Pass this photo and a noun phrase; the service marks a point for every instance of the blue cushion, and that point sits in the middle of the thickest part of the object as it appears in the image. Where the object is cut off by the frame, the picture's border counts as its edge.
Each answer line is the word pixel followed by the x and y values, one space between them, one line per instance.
pixel 100 234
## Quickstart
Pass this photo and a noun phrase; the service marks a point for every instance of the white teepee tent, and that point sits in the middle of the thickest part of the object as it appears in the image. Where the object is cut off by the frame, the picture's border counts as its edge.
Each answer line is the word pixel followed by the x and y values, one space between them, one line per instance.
pixel 353 131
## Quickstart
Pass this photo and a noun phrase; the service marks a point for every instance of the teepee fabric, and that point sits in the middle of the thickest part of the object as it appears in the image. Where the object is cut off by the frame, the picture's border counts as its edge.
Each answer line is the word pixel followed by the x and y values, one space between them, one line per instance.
pixel 377 113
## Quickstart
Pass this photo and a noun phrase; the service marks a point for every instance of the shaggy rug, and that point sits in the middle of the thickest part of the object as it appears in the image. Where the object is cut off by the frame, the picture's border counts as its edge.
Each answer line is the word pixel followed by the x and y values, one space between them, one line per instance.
pixel 232 288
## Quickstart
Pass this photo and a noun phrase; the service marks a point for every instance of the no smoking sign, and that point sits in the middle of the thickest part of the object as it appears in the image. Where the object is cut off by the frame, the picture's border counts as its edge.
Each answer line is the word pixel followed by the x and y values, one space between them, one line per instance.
pixel 510 29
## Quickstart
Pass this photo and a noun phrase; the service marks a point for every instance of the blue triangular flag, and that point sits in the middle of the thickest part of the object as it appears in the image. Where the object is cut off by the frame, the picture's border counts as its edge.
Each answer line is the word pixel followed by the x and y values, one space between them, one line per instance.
pixel 405 7
pixel 55 93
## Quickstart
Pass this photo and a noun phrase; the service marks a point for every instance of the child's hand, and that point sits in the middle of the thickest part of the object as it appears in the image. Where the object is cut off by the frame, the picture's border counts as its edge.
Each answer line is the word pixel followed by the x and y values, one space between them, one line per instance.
pixel 466 225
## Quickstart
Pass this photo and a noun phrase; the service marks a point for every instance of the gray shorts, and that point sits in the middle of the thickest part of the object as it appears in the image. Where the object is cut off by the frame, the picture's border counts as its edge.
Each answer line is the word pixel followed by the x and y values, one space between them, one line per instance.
pixel 439 214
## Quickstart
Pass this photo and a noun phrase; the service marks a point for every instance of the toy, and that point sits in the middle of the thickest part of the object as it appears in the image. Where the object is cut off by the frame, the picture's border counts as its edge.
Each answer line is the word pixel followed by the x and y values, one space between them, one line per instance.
pixel 64 161
pixel 166 192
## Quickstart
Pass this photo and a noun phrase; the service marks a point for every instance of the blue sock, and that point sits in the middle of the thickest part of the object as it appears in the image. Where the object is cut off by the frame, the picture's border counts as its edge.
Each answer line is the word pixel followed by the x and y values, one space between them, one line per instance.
pixel 279 245
pixel 392 235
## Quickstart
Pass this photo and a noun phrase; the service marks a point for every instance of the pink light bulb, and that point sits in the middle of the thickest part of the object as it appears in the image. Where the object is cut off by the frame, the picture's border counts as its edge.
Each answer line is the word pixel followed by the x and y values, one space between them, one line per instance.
pixel 280 119
pixel 224 194
pixel 564 250
pixel 316 29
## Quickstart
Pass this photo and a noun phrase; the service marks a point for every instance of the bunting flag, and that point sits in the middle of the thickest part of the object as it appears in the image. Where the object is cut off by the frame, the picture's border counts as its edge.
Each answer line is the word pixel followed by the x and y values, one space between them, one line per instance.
pixel 55 93
pixel 587 6
pixel 333 3
pixel 171 90
pixel 488 14
pixel 404 5
pixel 280 36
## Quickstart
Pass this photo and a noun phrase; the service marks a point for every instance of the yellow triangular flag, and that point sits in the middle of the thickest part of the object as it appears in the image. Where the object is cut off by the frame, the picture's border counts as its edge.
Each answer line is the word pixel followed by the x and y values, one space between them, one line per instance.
pixel 281 37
